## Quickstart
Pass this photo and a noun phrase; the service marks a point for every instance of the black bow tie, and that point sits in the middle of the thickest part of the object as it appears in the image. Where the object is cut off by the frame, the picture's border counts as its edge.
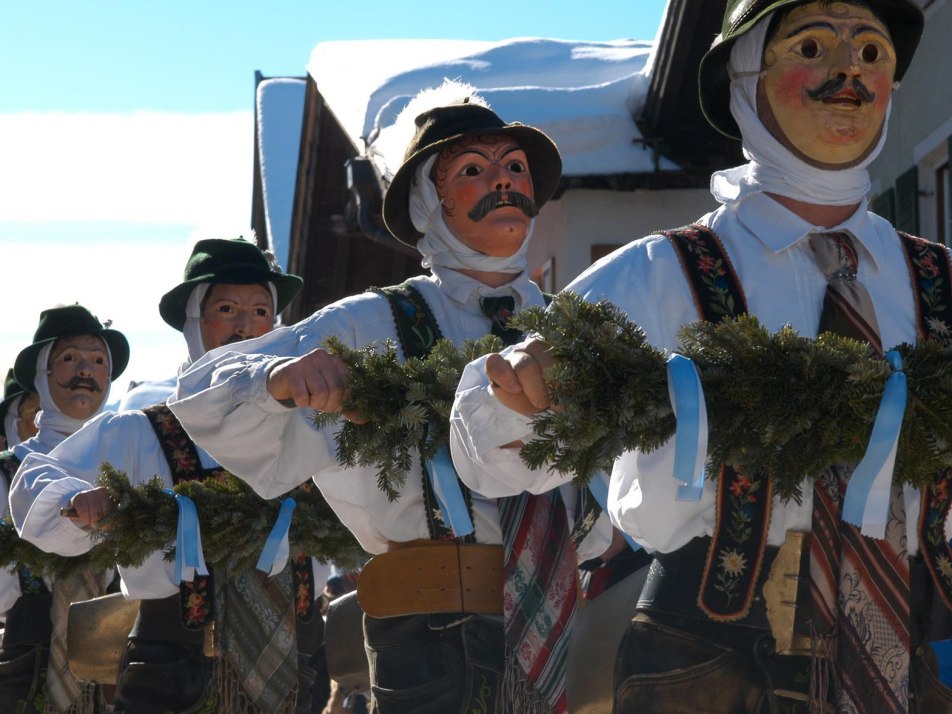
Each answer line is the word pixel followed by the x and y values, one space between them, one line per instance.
pixel 499 310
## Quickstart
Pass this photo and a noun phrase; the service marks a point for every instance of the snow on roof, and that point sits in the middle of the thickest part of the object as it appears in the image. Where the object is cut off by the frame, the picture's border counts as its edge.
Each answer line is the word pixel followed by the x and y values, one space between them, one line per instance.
pixel 280 113
pixel 582 94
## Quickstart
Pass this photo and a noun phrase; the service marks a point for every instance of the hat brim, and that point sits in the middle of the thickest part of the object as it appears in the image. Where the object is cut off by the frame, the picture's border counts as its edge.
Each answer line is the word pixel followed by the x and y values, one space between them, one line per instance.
pixel 172 305
pixel 24 369
pixel 545 167
pixel 904 20
pixel 5 407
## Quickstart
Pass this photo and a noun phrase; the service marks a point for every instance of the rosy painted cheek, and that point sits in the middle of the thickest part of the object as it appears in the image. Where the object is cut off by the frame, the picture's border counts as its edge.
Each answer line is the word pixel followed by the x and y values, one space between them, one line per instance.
pixel 792 83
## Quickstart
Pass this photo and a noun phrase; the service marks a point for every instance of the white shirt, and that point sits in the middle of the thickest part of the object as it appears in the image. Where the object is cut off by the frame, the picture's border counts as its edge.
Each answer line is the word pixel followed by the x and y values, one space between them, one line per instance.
pixel 224 404
pixel 40 444
pixel 768 247
pixel 46 482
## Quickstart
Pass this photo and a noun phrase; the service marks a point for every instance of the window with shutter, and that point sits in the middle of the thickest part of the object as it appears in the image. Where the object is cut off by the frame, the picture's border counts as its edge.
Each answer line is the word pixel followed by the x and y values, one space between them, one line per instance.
pixel 885 205
pixel 907 201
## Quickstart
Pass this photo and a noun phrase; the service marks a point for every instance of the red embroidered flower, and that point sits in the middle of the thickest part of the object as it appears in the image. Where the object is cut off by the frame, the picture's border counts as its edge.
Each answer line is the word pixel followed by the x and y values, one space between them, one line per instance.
pixel 740 486
pixel 705 264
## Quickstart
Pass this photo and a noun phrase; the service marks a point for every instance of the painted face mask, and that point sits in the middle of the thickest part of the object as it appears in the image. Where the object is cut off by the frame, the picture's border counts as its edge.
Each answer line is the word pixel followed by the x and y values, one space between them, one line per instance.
pixel 827 81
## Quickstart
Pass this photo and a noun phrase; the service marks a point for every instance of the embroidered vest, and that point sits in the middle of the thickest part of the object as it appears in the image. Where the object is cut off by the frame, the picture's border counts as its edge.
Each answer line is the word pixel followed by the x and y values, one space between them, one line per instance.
pixel 418 332
pixel 744 500
pixel 29 583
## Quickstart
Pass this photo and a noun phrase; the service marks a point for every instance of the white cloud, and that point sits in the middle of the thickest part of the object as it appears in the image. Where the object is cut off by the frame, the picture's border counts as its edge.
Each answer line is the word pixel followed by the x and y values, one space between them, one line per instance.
pixel 153 183
pixel 142 166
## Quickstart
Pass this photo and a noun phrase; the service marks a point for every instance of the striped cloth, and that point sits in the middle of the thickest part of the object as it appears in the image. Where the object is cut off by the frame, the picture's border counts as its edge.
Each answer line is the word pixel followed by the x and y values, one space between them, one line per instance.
pixel 255 626
pixel 541 591
pixel 859 585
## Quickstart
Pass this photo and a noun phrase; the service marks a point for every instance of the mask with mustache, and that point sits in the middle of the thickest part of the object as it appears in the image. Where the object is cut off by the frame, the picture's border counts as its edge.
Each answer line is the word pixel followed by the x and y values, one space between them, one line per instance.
pixel 836 85
pixel 81 382
pixel 497 199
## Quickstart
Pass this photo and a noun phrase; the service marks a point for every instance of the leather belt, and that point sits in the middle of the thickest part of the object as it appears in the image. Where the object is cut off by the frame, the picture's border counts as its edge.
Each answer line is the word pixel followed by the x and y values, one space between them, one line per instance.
pixel 423 577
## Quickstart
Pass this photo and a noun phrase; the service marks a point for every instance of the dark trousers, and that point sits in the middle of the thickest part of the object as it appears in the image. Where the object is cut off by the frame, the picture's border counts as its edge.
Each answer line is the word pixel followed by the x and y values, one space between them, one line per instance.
pixel 668 665
pixel 435 664
pixel 24 654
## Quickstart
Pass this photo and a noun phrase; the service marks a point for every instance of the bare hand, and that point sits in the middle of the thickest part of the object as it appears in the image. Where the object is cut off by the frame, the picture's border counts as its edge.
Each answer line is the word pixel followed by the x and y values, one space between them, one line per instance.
pixel 318 380
pixel 517 378
pixel 90 507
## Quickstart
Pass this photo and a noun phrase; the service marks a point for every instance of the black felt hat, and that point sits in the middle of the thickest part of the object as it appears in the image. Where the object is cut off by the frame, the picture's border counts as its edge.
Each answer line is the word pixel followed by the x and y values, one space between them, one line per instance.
pixel 903 18
pixel 232 262
pixel 440 126
pixel 11 390
pixel 68 321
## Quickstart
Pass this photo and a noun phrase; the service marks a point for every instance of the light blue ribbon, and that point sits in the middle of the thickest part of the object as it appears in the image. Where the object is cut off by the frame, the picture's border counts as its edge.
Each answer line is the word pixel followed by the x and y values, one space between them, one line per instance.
pixel 866 503
pixel 690 436
pixel 449 495
pixel 598 485
pixel 274 555
pixel 189 558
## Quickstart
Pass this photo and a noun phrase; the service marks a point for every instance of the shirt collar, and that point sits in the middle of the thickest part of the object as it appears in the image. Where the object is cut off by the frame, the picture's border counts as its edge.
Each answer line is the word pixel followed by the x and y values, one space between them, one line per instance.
pixel 778 228
pixel 464 290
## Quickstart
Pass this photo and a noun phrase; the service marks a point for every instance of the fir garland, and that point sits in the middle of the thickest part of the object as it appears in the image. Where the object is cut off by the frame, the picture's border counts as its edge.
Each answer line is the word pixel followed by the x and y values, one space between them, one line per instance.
pixel 407 405
pixel 234 520
pixel 776 401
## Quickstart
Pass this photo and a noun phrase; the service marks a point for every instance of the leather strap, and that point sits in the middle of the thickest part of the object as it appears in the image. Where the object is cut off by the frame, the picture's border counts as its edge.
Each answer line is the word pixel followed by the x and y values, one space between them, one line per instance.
pixel 423 577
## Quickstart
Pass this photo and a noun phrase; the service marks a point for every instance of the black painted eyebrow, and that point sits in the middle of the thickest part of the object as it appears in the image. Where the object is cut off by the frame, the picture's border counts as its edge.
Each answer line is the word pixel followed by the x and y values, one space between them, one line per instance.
pixel 820 24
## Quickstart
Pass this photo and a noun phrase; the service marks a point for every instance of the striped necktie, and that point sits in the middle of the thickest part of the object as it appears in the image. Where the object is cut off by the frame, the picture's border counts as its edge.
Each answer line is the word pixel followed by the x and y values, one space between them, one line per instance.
pixel 540 594
pixel 859 585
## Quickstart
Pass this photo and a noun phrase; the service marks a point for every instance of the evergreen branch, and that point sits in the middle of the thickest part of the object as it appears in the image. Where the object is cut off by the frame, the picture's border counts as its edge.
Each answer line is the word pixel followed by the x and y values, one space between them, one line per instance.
pixel 234 520
pixel 407 405
pixel 775 401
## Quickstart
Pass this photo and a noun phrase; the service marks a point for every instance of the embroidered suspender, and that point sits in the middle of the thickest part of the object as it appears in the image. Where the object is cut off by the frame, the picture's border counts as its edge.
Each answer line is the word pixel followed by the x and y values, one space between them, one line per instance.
pixel 931 274
pixel 739 541
pixel 185 465
pixel 197 597
pixel 418 332
pixel 743 508
pixel 29 583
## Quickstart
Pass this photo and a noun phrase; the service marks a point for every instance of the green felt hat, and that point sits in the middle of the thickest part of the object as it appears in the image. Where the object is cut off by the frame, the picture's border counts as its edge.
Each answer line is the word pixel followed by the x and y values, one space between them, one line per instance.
pixel 440 126
pixel 11 390
pixel 68 321
pixel 903 18
pixel 232 262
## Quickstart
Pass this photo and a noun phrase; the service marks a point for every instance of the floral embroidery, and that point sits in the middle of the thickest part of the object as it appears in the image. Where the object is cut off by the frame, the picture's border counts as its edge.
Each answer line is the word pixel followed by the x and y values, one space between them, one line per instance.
pixel 717 291
pixel 935 550
pixel 929 266
pixel 196 602
pixel 736 530
pixel 733 562
pixel 302 577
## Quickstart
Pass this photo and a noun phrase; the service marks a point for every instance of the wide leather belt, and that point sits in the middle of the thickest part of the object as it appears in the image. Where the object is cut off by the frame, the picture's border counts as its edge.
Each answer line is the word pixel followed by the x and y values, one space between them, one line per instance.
pixel 781 600
pixel 421 577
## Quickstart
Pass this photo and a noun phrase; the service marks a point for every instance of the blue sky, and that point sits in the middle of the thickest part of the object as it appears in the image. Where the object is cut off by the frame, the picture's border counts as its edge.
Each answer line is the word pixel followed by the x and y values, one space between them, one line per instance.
pixel 126 132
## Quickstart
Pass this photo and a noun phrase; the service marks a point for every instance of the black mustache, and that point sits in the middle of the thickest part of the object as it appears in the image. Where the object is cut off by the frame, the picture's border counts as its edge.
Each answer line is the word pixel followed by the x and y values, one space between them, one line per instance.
pixel 836 84
pixel 81 382
pixel 492 200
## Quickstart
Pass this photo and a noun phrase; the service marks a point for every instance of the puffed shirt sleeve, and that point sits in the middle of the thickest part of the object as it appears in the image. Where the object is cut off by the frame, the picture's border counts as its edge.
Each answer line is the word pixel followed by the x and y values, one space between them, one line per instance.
pixel 223 402
pixel 45 483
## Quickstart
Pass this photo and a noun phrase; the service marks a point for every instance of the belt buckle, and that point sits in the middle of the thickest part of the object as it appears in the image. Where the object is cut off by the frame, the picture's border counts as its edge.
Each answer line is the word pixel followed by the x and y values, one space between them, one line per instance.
pixel 780 596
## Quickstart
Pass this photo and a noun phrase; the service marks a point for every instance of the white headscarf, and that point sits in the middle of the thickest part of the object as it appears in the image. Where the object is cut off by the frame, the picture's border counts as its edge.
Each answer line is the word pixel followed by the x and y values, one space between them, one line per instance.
pixel 54 425
pixel 193 321
pixel 773 168
pixel 10 422
pixel 439 246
